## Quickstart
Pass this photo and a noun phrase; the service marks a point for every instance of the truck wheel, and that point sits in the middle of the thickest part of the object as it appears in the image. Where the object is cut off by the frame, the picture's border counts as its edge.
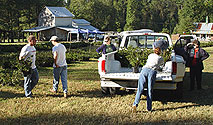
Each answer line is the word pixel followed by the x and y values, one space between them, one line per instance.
pixel 105 90
pixel 179 91
pixel 113 90
pixel 131 91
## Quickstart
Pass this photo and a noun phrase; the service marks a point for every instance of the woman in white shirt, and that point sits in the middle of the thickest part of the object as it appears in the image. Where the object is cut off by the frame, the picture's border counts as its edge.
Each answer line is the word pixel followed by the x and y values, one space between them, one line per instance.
pixel 148 72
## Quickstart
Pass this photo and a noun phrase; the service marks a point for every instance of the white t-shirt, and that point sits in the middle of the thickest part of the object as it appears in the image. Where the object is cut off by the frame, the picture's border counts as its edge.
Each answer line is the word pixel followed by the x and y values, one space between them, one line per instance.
pixel 29 53
pixel 61 57
pixel 154 61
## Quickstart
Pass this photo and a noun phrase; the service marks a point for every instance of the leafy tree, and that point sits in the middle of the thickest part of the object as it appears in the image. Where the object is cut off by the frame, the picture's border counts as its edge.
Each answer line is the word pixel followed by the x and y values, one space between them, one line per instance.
pixel 133 15
pixel 120 16
pixel 192 11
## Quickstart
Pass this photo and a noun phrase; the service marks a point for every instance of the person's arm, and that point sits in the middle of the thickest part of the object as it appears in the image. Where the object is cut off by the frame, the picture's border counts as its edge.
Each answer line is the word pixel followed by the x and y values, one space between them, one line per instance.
pixel 204 54
pixel 55 56
pixel 160 64
pixel 23 53
pixel 98 50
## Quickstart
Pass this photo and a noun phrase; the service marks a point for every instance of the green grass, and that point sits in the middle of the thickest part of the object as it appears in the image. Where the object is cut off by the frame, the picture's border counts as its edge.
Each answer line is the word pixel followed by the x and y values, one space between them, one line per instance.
pixel 87 105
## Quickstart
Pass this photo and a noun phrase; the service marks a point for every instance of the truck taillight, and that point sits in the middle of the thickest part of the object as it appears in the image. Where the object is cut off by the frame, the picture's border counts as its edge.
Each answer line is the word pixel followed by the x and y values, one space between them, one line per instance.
pixel 103 66
pixel 174 68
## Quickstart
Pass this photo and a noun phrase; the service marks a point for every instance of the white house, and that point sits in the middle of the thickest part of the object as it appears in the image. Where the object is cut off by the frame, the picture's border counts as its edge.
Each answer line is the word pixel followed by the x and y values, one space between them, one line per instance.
pixel 59 21
pixel 204 31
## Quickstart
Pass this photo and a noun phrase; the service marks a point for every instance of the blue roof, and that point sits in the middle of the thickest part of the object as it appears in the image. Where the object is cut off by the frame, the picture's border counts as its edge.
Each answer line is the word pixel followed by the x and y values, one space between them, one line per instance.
pixel 80 21
pixel 60 12
pixel 89 27
pixel 37 29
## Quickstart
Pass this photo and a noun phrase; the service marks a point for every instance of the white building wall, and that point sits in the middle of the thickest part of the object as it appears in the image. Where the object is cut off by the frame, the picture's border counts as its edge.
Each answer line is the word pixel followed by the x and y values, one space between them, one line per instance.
pixel 63 21
pixel 45 18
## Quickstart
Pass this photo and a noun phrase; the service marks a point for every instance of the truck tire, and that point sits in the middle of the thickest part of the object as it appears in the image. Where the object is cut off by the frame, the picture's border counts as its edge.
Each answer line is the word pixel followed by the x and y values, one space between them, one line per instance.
pixel 105 90
pixel 178 94
pixel 130 91
pixel 113 90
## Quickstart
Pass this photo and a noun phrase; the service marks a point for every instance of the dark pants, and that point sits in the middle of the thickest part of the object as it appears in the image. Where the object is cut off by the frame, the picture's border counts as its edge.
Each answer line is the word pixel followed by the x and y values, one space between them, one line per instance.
pixel 195 73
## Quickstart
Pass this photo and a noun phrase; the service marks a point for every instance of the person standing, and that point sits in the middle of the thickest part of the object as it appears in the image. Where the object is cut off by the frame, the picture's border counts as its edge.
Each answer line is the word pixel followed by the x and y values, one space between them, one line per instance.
pixel 196 55
pixel 106 47
pixel 59 65
pixel 28 53
pixel 149 71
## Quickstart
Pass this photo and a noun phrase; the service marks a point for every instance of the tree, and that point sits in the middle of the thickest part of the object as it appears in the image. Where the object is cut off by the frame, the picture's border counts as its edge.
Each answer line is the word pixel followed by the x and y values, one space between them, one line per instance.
pixel 120 16
pixel 192 11
pixel 133 16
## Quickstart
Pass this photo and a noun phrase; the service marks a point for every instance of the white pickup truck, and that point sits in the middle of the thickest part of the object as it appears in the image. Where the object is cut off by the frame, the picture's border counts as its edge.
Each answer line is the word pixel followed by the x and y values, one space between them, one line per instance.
pixel 114 76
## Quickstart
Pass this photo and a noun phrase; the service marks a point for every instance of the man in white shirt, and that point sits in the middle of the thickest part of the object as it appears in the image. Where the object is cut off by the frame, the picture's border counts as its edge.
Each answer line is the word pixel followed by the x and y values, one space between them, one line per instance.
pixel 28 53
pixel 59 65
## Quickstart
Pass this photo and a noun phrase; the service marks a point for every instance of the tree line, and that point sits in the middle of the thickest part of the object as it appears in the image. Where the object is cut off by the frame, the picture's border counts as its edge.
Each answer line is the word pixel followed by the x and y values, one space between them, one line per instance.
pixel 171 16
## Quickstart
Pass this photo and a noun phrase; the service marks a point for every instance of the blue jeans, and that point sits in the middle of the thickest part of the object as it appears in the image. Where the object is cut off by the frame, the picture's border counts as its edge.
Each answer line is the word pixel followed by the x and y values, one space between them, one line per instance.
pixel 30 81
pixel 150 75
pixel 57 72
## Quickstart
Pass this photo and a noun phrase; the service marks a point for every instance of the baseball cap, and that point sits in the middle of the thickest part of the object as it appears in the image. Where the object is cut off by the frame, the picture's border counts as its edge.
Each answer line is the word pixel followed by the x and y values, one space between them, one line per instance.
pixel 54 38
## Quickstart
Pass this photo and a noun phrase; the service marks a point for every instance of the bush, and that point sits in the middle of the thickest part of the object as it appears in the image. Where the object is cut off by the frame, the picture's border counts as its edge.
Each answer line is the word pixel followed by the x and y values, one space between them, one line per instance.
pixel 42 46
pixel 11 68
pixel 136 56
pixel 206 44
pixel 10 72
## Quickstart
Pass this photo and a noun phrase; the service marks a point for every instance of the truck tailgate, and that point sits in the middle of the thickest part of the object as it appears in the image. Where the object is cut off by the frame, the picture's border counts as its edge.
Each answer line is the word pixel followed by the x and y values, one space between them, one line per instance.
pixel 161 76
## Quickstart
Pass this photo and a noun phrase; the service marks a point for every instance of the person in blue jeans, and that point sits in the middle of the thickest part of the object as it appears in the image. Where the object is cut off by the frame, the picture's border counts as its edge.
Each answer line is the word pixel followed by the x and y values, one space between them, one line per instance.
pixel 59 65
pixel 154 62
pixel 28 53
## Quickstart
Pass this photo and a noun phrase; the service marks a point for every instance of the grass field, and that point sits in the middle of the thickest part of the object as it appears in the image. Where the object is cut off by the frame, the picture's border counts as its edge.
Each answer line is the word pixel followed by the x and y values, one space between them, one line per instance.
pixel 87 105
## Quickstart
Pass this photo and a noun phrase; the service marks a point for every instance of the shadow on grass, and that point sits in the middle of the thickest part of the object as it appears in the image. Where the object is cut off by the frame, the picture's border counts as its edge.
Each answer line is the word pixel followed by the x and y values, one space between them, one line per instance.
pixel 96 93
pixel 74 118
pixel 200 97
pixel 8 95
pixel 179 107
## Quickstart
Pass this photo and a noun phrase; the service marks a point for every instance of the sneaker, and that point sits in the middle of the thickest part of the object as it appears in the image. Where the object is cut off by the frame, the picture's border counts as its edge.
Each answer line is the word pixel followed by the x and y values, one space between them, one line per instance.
pixel 134 109
pixel 51 90
pixel 65 95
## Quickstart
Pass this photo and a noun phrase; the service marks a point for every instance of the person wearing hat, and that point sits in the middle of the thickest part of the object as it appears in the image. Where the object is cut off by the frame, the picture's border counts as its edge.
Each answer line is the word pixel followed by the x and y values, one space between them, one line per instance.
pixel 28 53
pixel 59 65
pixel 161 43
pixel 106 47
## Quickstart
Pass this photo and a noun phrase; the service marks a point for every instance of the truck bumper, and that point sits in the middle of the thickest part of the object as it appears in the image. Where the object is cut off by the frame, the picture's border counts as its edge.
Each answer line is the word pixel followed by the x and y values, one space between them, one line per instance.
pixel 169 85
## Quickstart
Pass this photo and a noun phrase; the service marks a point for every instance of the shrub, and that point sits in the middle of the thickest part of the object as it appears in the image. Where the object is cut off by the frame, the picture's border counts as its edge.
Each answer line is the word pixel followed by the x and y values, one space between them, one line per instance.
pixel 136 56
pixel 42 46
pixel 206 44
pixel 10 72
